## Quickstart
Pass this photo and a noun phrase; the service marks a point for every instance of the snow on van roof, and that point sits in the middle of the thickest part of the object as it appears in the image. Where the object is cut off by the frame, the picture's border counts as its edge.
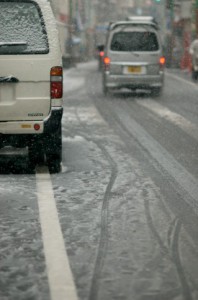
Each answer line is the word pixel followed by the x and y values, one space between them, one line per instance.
pixel 141 18
pixel 135 20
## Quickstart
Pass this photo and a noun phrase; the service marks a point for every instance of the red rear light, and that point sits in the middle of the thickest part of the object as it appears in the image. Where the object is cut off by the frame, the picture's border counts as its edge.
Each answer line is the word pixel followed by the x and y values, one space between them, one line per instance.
pixel 162 60
pixel 56 90
pixel 107 60
pixel 56 76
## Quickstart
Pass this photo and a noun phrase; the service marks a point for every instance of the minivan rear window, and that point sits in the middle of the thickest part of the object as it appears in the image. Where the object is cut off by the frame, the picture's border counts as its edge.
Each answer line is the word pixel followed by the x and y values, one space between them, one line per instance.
pixel 134 41
pixel 22 29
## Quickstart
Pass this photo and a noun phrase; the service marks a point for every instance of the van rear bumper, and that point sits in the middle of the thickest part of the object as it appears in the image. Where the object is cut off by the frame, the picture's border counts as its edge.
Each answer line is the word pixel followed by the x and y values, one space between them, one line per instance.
pixel 51 123
pixel 146 81
pixel 20 134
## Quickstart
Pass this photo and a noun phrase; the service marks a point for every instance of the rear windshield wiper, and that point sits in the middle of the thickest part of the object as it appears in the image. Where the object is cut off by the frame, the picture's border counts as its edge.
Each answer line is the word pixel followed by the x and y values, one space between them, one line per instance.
pixel 13 47
pixel 13 44
pixel 10 78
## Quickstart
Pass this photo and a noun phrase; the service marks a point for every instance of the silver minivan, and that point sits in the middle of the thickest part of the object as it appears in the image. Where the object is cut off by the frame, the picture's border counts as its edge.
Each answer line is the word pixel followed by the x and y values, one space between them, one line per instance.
pixel 134 56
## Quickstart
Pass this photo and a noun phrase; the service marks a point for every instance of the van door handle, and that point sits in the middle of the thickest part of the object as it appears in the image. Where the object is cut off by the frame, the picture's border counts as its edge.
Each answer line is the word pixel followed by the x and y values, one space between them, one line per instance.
pixel 8 79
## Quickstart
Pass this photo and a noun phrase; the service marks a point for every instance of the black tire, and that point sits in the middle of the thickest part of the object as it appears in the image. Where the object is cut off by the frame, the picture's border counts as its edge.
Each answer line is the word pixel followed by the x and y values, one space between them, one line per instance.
pixel 104 87
pixel 99 65
pixel 1 143
pixel 35 153
pixel 53 150
pixel 105 90
pixel 194 74
pixel 54 165
pixel 156 92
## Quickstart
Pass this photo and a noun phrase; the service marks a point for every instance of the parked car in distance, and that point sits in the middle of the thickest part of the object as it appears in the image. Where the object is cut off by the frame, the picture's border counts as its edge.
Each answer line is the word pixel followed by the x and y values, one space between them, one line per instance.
pixel 100 56
pixel 133 56
pixel 31 89
pixel 193 51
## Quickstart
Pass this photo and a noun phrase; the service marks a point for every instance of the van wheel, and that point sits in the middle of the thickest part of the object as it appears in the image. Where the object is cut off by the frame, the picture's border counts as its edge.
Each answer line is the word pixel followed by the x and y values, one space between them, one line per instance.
pixel 105 88
pixel 35 153
pixel 194 75
pixel 53 150
pixel 54 164
pixel 156 92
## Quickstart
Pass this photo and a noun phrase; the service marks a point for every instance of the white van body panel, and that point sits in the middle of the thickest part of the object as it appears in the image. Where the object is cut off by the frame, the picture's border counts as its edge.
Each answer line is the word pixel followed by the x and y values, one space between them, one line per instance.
pixel 29 98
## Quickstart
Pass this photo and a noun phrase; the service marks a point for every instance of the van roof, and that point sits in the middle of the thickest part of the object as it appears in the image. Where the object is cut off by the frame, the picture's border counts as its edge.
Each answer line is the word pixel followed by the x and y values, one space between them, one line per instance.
pixel 135 21
pixel 141 18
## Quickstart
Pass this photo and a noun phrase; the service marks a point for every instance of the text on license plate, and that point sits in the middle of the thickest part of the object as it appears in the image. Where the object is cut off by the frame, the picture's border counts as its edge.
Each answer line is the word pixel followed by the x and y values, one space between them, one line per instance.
pixel 134 69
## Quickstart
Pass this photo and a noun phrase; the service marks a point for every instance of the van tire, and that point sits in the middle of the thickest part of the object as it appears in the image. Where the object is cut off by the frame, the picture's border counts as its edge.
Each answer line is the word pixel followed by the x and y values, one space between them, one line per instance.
pixel 54 165
pixel 35 153
pixel 53 150
pixel 194 74
pixel 105 88
pixel 156 92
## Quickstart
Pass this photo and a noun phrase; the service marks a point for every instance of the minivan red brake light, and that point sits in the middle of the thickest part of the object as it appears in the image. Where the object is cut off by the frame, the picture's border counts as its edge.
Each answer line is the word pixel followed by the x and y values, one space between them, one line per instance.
pixel 56 77
pixel 107 60
pixel 162 60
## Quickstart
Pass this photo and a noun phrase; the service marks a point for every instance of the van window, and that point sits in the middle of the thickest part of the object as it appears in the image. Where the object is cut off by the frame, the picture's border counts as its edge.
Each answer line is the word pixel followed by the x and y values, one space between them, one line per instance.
pixel 22 29
pixel 134 41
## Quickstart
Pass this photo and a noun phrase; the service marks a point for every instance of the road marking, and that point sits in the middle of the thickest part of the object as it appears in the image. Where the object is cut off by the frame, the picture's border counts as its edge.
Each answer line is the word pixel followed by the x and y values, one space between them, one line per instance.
pixel 184 124
pixel 60 277
pixel 186 181
pixel 182 79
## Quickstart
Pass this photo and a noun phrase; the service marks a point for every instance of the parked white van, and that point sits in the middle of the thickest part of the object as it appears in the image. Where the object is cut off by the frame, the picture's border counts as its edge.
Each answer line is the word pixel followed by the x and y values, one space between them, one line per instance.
pixel 31 89
pixel 133 56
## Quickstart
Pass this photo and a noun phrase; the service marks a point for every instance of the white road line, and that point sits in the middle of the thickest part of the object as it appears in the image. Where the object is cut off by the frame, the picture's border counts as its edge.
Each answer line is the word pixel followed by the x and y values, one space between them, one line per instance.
pixel 176 119
pixel 182 79
pixel 60 277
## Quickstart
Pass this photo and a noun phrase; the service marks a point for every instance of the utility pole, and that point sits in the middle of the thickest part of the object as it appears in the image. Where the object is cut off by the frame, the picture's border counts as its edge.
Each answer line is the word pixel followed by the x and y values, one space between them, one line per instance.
pixel 70 44
pixel 196 16
pixel 171 4
pixel 159 9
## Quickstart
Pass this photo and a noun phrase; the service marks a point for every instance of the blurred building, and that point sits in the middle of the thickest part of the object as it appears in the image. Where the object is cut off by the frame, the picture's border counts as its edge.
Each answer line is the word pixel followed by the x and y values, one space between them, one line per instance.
pixel 76 20
pixel 178 33
pixel 81 21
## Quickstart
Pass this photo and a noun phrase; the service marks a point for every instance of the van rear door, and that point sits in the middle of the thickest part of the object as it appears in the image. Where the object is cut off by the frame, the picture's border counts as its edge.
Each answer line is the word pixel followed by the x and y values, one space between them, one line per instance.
pixel 138 47
pixel 24 62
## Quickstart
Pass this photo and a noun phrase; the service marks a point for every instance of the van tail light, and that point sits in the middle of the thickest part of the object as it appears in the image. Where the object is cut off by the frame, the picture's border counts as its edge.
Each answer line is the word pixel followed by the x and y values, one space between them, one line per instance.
pixel 162 61
pixel 56 82
pixel 106 61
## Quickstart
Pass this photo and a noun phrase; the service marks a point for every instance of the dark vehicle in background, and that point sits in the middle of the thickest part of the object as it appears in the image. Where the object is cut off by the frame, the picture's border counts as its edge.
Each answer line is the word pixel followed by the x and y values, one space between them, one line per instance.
pixel 134 56
pixel 193 51
pixel 100 56
pixel 100 38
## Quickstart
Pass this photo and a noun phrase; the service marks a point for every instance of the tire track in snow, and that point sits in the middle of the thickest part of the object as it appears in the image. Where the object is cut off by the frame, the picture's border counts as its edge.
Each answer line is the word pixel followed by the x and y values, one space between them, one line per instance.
pixel 174 118
pixel 103 239
pixel 171 252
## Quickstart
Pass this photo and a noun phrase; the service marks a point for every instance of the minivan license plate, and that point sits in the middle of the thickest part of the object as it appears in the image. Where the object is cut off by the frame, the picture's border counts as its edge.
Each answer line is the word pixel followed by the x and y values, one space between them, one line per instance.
pixel 134 69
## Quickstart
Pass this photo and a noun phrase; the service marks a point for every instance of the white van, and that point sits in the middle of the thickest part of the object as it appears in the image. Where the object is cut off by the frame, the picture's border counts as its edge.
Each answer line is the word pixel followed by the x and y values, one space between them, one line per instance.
pixel 133 56
pixel 31 89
